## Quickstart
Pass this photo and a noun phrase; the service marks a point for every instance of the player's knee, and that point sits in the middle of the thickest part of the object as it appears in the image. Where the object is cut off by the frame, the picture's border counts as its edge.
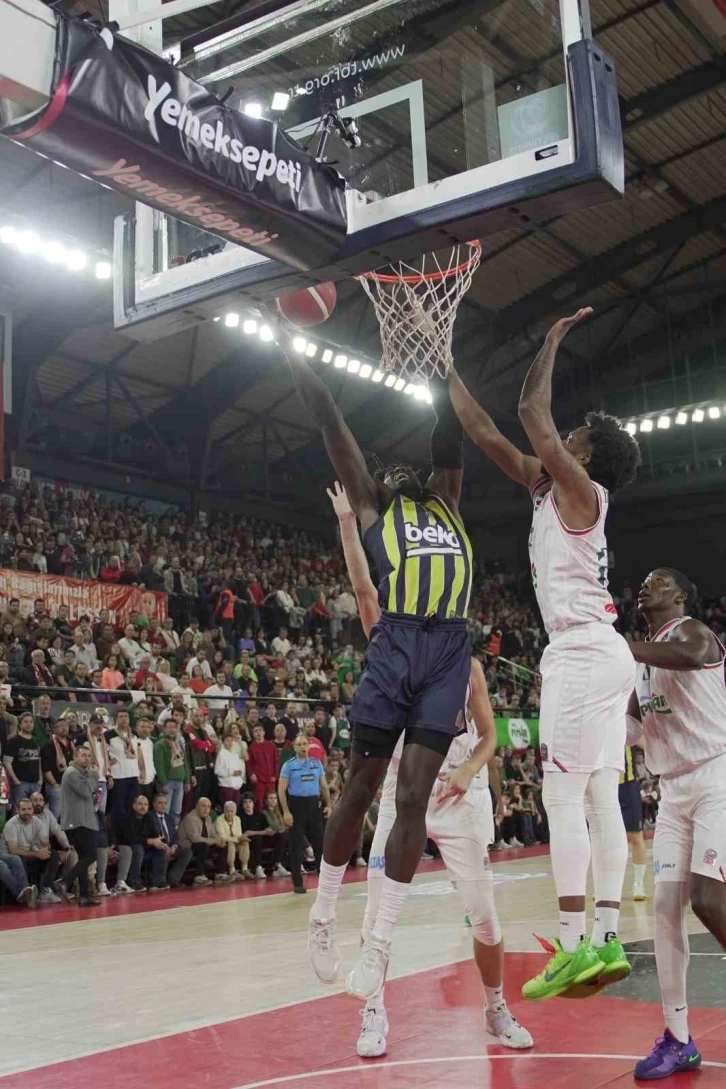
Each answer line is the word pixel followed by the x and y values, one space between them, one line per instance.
pixel 411 800
pixel 486 929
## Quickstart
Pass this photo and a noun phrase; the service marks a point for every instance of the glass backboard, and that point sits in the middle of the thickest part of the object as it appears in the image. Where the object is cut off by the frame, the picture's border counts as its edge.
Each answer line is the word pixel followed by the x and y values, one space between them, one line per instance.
pixel 464 117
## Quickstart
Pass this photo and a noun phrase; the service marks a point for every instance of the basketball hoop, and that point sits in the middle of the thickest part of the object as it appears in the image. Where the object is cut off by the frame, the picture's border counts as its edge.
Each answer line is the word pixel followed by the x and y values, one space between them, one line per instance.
pixel 416 309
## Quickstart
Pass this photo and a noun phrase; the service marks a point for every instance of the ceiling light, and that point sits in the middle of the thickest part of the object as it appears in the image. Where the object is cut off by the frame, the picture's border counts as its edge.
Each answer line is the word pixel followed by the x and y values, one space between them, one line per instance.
pixel 429 399
pixel 54 252
pixel 377 376
pixel 409 389
pixel 253 109
pixel 280 101
pixel 682 418
pixel 218 318
pixel 366 370
pixel 664 422
pixel 231 320
pixel 7 234
pixel 300 344
pixel 340 361
pixel 103 270
pixel 714 412
pixel 697 416
pixel 327 356
pixel 27 242
pixel 646 425
pixel 311 350
pixel 420 393
pixel 353 366
pixel 390 381
pixel 631 427
pixel 76 260
pixel 265 332
pixel 249 326
pixel 400 384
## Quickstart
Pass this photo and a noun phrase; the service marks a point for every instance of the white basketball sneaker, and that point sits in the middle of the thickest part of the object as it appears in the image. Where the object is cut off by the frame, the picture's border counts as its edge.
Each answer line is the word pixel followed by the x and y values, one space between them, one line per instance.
pixel 368 974
pixel 373 1031
pixel 502 1024
pixel 323 948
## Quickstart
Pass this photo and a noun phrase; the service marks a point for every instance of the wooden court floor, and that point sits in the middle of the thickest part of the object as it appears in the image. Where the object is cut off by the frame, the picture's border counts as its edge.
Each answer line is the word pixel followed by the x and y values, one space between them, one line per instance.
pixel 213 988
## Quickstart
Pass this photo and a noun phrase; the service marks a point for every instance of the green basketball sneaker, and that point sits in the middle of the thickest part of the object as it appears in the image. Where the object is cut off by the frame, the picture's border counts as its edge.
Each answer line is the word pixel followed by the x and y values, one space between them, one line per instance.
pixel 616 966
pixel 563 970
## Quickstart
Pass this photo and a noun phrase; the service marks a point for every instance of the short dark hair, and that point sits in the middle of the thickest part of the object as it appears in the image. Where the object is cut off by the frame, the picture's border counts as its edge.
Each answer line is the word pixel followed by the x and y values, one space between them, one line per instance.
pixel 683 583
pixel 615 456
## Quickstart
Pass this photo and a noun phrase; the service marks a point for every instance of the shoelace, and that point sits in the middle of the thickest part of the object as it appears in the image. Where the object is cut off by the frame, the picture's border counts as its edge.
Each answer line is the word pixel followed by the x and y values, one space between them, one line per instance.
pixel 323 937
pixel 369 1017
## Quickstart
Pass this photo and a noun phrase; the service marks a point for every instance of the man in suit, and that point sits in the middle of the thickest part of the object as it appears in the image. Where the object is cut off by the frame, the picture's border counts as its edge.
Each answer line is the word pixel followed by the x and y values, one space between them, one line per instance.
pixel 37 675
pixel 163 846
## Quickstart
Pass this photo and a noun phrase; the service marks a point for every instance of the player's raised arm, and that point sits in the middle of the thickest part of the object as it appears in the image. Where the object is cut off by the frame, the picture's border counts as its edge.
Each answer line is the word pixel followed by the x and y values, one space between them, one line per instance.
pixel 482 430
pixel 691 645
pixel 447 452
pixel 355 560
pixel 573 488
pixel 343 450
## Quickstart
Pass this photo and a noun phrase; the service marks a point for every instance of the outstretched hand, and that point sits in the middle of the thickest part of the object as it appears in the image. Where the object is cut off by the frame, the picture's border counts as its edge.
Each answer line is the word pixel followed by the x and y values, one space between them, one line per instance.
pixel 561 328
pixel 339 498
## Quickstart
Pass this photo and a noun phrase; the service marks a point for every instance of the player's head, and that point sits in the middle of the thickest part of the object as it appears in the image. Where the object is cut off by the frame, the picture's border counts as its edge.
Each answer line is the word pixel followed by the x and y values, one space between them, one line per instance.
pixel 609 454
pixel 667 590
pixel 404 479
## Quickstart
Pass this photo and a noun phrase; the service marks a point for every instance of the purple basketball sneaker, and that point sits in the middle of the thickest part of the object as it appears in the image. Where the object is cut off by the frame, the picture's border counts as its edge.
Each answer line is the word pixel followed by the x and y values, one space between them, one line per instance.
pixel 669 1056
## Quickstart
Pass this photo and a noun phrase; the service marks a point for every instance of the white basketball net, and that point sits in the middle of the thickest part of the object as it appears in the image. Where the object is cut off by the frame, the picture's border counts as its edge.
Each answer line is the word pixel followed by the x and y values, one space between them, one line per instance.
pixel 416 309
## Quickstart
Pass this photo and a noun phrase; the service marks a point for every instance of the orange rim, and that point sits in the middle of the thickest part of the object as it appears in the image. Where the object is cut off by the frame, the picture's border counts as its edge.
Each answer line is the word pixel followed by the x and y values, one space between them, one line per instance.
pixel 389 278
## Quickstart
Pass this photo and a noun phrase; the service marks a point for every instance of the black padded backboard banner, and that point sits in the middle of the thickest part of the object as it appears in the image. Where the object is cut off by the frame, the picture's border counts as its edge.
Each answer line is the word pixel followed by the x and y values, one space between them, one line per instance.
pixel 128 119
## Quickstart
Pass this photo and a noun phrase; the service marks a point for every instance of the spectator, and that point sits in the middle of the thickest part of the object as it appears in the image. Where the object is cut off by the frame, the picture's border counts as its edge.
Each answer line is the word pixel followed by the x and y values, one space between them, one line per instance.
pixel 23 837
pixel 133 833
pixel 111 675
pixel 302 782
pixel 228 830
pixel 173 765
pixel 316 749
pixel 131 649
pixel 81 680
pixel 14 878
pixel 218 696
pixel 203 744
pixel 284 747
pixel 37 675
pixel 113 570
pixel 55 756
pixel 196 838
pixel 230 772
pixel 145 757
pixel 122 751
pixel 65 671
pixel 262 765
pixel 79 822
pixel 21 758
pixel 257 830
pixel 43 720
pixel 52 831
pixel 199 662
pixel 280 843
pixel 162 844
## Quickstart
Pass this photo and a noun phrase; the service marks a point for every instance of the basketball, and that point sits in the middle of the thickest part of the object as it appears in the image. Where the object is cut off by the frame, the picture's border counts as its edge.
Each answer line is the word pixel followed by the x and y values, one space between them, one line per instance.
pixel 309 306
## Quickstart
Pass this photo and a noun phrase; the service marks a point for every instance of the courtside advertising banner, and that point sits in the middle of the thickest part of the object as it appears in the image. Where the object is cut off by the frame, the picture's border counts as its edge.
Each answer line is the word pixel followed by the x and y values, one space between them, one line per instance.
pixel 82 598
pixel 129 120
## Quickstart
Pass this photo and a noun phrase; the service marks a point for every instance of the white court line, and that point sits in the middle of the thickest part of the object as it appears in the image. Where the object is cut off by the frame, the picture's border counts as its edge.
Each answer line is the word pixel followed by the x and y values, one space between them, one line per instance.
pixel 368 1067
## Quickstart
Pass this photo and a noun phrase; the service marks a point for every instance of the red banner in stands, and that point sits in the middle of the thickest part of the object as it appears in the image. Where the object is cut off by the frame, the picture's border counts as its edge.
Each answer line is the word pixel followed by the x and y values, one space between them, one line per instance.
pixel 82 598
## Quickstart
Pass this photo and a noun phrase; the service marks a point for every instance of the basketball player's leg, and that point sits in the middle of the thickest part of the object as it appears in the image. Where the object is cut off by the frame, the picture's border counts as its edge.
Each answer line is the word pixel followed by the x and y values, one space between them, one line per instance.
pixel 609 846
pixel 374 1025
pixel 463 839
pixel 674 1051
pixel 632 813
pixel 708 861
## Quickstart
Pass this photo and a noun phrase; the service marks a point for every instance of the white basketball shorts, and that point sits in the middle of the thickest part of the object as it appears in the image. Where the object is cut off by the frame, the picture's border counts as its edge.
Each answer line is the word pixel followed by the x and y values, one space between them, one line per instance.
pixel 690 831
pixel 588 674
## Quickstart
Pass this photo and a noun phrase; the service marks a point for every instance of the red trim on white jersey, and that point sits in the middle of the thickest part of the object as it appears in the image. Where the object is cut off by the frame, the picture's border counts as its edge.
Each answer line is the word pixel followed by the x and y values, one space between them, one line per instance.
pixel 578 532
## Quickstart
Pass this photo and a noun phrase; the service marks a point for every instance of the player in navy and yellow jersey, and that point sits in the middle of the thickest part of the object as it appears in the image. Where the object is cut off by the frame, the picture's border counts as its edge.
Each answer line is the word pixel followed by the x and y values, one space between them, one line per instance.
pixel 632 809
pixel 418 657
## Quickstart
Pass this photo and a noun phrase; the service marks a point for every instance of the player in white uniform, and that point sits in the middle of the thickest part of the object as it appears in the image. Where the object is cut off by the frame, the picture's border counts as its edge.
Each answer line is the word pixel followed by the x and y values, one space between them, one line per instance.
pixel 459 820
pixel 680 707
pixel 587 670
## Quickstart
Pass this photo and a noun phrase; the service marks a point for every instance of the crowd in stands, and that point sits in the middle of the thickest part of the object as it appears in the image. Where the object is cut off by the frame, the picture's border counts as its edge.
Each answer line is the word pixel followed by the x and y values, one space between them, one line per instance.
pixel 186 722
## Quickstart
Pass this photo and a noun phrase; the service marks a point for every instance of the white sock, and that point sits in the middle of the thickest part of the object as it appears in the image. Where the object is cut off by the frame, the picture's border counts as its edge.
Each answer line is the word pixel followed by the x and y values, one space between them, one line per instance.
pixel 672 953
pixel 638 875
pixel 393 895
pixel 606 923
pixel 572 928
pixel 494 995
pixel 329 882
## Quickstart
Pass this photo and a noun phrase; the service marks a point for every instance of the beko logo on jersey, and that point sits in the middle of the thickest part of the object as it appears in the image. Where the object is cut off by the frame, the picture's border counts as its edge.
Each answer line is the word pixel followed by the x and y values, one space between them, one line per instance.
pixel 434 540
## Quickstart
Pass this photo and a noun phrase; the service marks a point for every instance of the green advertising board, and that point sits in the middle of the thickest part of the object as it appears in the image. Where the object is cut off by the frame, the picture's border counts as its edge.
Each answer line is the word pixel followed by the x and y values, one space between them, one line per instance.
pixel 517 733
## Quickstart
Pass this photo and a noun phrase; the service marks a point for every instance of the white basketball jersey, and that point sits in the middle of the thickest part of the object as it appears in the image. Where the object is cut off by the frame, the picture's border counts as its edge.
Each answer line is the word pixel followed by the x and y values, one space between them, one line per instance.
pixel 569 567
pixel 461 749
pixel 683 712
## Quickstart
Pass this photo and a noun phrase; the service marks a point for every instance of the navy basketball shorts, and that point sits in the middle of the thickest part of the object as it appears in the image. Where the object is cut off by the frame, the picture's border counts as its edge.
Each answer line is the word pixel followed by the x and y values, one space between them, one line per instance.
pixel 630 806
pixel 416 675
